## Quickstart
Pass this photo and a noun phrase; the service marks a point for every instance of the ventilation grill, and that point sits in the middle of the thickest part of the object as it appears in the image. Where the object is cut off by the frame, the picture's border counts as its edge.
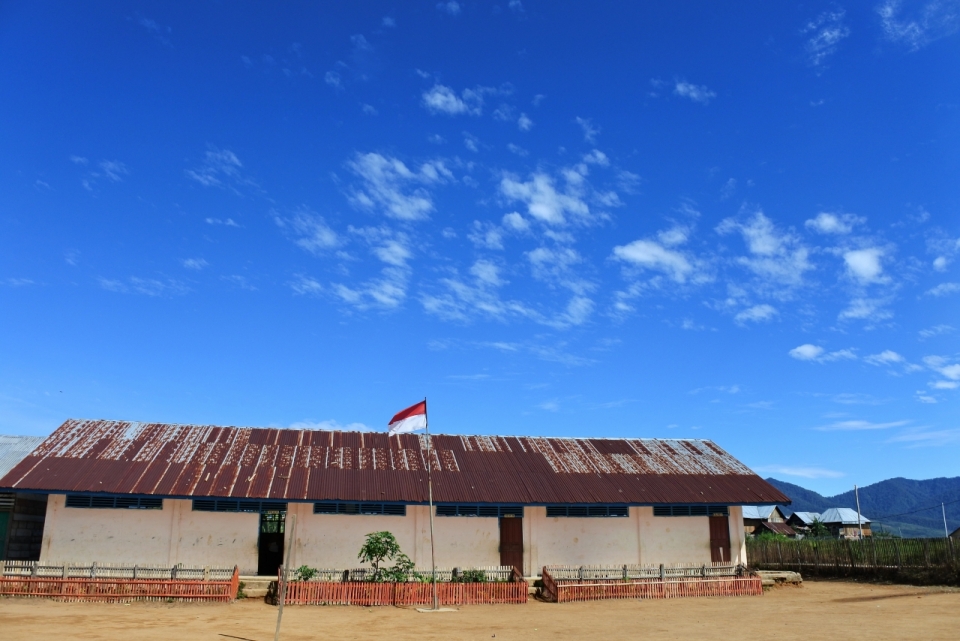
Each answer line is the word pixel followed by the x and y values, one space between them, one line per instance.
pixel 6 501
pixel 690 510
pixel 387 509
pixel 493 511
pixel 121 502
pixel 232 505
pixel 587 510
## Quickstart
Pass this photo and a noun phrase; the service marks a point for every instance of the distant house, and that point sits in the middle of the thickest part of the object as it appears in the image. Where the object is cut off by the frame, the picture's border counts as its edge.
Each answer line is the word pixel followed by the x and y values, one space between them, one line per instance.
pixel 842 523
pixel 21 513
pixel 803 521
pixel 754 515
pixel 775 528
pixel 955 534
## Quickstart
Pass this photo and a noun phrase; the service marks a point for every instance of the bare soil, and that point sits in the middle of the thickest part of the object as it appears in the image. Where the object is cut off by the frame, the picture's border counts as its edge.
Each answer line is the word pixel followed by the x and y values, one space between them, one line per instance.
pixel 818 609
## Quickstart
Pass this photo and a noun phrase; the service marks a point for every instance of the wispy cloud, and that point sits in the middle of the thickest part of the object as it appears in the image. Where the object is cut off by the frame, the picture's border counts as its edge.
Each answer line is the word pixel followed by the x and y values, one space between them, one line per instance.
pixel 809 352
pixel 777 258
pixel 865 266
pixel 800 471
pixel 228 222
pixel 827 30
pixel 144 286
pixel 441 99
pixel 828 223
pixel 310 230
pixel 194 263
pixel 927 22
pixel 306 286
pixel 389 186
pixel 451 8
pixel 859 425
pixel 756 314
pixel 924 437
pixel 868 309
pixel 936 330
pixel 696 93
pixel 545 200
pixel 944 289
pixel 17 282
pixel 220 168
pixel 590 131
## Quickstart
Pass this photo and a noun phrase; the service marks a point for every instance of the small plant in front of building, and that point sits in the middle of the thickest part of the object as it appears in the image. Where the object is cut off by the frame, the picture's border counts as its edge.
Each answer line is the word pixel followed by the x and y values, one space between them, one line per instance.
pixel 471 576
pixel 818 529
pixel 241 594
pixel 305 573
pixel 383 546
pixel 771 536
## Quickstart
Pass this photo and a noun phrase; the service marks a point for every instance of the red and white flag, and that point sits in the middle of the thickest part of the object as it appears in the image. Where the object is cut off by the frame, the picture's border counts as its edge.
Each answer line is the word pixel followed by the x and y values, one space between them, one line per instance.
pixel 409 420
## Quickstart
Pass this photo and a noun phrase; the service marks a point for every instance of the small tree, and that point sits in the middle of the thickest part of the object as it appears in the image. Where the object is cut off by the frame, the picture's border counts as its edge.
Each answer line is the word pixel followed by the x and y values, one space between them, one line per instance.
pixel 378 547
pixel 818 529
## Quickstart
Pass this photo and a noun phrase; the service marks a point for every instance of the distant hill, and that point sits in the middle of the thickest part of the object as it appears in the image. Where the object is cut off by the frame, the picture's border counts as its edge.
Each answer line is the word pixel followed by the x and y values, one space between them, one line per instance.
pixel 881 501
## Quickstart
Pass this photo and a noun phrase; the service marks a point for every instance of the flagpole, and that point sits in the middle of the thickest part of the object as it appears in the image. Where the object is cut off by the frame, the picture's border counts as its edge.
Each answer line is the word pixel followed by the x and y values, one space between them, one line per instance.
pixel 433 559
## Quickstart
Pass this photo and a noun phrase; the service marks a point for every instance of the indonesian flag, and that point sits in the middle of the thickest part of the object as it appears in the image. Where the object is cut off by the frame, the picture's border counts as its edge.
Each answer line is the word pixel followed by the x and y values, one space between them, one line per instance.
pixel 409 420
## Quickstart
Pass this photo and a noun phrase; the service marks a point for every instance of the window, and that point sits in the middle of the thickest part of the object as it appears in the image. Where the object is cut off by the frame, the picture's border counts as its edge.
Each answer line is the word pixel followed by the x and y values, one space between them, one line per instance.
pixel 494 511
pixel 233 505
pixel 387 509
pixel 121 502
pixel 690 510
pixel 587 510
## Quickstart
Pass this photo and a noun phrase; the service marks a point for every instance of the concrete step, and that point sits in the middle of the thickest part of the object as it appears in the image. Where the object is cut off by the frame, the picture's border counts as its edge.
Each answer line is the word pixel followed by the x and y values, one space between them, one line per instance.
pixel 771 578
pixel 257 587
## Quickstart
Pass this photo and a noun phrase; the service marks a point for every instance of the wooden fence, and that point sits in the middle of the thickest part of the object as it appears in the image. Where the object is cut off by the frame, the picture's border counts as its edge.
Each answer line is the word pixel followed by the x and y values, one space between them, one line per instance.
pixel 722 583
pixel 107 588
pixel 843 556
pixel 366 593
pixel 632 571
pixel 444 575
pixel 35 569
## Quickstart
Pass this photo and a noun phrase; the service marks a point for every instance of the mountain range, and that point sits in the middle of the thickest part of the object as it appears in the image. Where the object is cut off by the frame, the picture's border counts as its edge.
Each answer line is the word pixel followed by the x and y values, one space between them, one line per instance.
pixel 901 506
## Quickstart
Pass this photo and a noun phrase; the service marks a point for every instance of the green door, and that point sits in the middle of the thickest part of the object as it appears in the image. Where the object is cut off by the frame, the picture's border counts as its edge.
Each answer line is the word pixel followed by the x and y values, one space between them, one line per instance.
pixel 4 522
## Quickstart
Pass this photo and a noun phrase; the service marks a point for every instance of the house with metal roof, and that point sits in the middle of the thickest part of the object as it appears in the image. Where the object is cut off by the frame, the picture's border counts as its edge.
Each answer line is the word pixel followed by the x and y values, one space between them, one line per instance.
pixel 755 515
pixel 802 521
pixel 21 513
pixel 844 523
pixel 199 494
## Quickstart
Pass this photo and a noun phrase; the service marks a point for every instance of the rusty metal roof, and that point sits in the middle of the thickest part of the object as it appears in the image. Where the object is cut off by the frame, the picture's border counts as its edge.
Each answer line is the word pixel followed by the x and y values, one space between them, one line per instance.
pixel 309 465
pixel 778 528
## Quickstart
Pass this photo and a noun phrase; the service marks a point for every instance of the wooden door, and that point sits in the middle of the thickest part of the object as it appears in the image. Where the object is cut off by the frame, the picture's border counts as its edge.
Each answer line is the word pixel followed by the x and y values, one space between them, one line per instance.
pixel 511 542
pixel 719 539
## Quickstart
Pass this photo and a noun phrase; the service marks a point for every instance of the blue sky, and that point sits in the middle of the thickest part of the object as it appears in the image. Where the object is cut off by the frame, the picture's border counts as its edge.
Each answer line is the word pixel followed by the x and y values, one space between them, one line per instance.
pixel 591 219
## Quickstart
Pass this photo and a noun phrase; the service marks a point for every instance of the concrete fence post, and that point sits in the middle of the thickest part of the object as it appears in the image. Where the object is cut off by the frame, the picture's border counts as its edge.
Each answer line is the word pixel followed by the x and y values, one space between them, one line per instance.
pixel 663 573
pixel 93 570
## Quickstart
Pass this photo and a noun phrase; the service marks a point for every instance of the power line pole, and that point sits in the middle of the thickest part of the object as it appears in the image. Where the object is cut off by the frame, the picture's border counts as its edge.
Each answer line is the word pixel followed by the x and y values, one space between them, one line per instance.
pixel 433 558
pixel 946 533
pixel 856 493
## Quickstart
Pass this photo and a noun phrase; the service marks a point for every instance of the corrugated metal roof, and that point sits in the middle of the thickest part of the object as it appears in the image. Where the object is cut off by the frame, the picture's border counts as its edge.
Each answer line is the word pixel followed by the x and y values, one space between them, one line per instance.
pixel 842 515
pixel 759 512
pixel 807 517
pixel 13 449
pixel 205 460
pixel 778 528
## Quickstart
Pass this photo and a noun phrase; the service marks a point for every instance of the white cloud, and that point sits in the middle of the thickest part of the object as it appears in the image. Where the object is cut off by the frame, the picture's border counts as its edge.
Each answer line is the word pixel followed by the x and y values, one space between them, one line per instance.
pixel 828 30
pixel 827 223
pixel 596 157
pixel 943 367
pixel 304 285
pixel 696 93
pixel 921 437
pixel 944 289
pixel 194 263
pixel 332 78
pixel 385 182
pixel 17 282
pixel 370 110
pixel 808 352
pixel 886 357
pixel 486 272
pixel 524 123
pixel 114 170
pixel 550 406
pixel 388 22
pixel 800 471
pixel 756 314
pixel 590 131
pixel 314 235
pixel 451 8
pixel 544 201
pixel 777 258
pixel 649 254
pixel 218 167
pixel 514 221
pixel 945 384
pixel 936 330
pixel 864 265
pixel 516 5
pixel 870 309
pixel 228 222
pixel 486 235
pixel 517 149
pixel 858 425
pixel 554 265
pixel 145 286
pixel 443 99
pixel 935 19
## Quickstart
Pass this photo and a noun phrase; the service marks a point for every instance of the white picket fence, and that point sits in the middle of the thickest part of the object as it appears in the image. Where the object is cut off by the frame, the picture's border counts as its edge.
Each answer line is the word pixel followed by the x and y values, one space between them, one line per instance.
pixel 112 571
pixel 633 571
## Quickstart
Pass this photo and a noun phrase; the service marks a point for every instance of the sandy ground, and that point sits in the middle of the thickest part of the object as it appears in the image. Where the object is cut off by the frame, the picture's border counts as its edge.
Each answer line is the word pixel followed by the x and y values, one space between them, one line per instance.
pixel 822 609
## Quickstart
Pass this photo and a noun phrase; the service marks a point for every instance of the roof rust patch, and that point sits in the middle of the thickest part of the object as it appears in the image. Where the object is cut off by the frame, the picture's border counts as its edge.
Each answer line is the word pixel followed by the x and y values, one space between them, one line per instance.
pixel 206 460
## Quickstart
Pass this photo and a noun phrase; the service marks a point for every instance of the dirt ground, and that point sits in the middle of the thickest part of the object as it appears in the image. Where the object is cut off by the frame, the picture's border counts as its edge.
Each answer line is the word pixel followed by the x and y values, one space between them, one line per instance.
pixel 818 609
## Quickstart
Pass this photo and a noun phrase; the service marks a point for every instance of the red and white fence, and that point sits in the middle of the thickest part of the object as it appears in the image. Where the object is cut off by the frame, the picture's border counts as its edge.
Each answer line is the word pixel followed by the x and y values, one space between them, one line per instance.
pixel 93 588
pixel 369 594
pixel 566 590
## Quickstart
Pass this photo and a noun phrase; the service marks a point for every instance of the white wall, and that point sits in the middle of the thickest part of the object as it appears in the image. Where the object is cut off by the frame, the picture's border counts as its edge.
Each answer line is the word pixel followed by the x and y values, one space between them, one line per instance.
pixel 175 534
